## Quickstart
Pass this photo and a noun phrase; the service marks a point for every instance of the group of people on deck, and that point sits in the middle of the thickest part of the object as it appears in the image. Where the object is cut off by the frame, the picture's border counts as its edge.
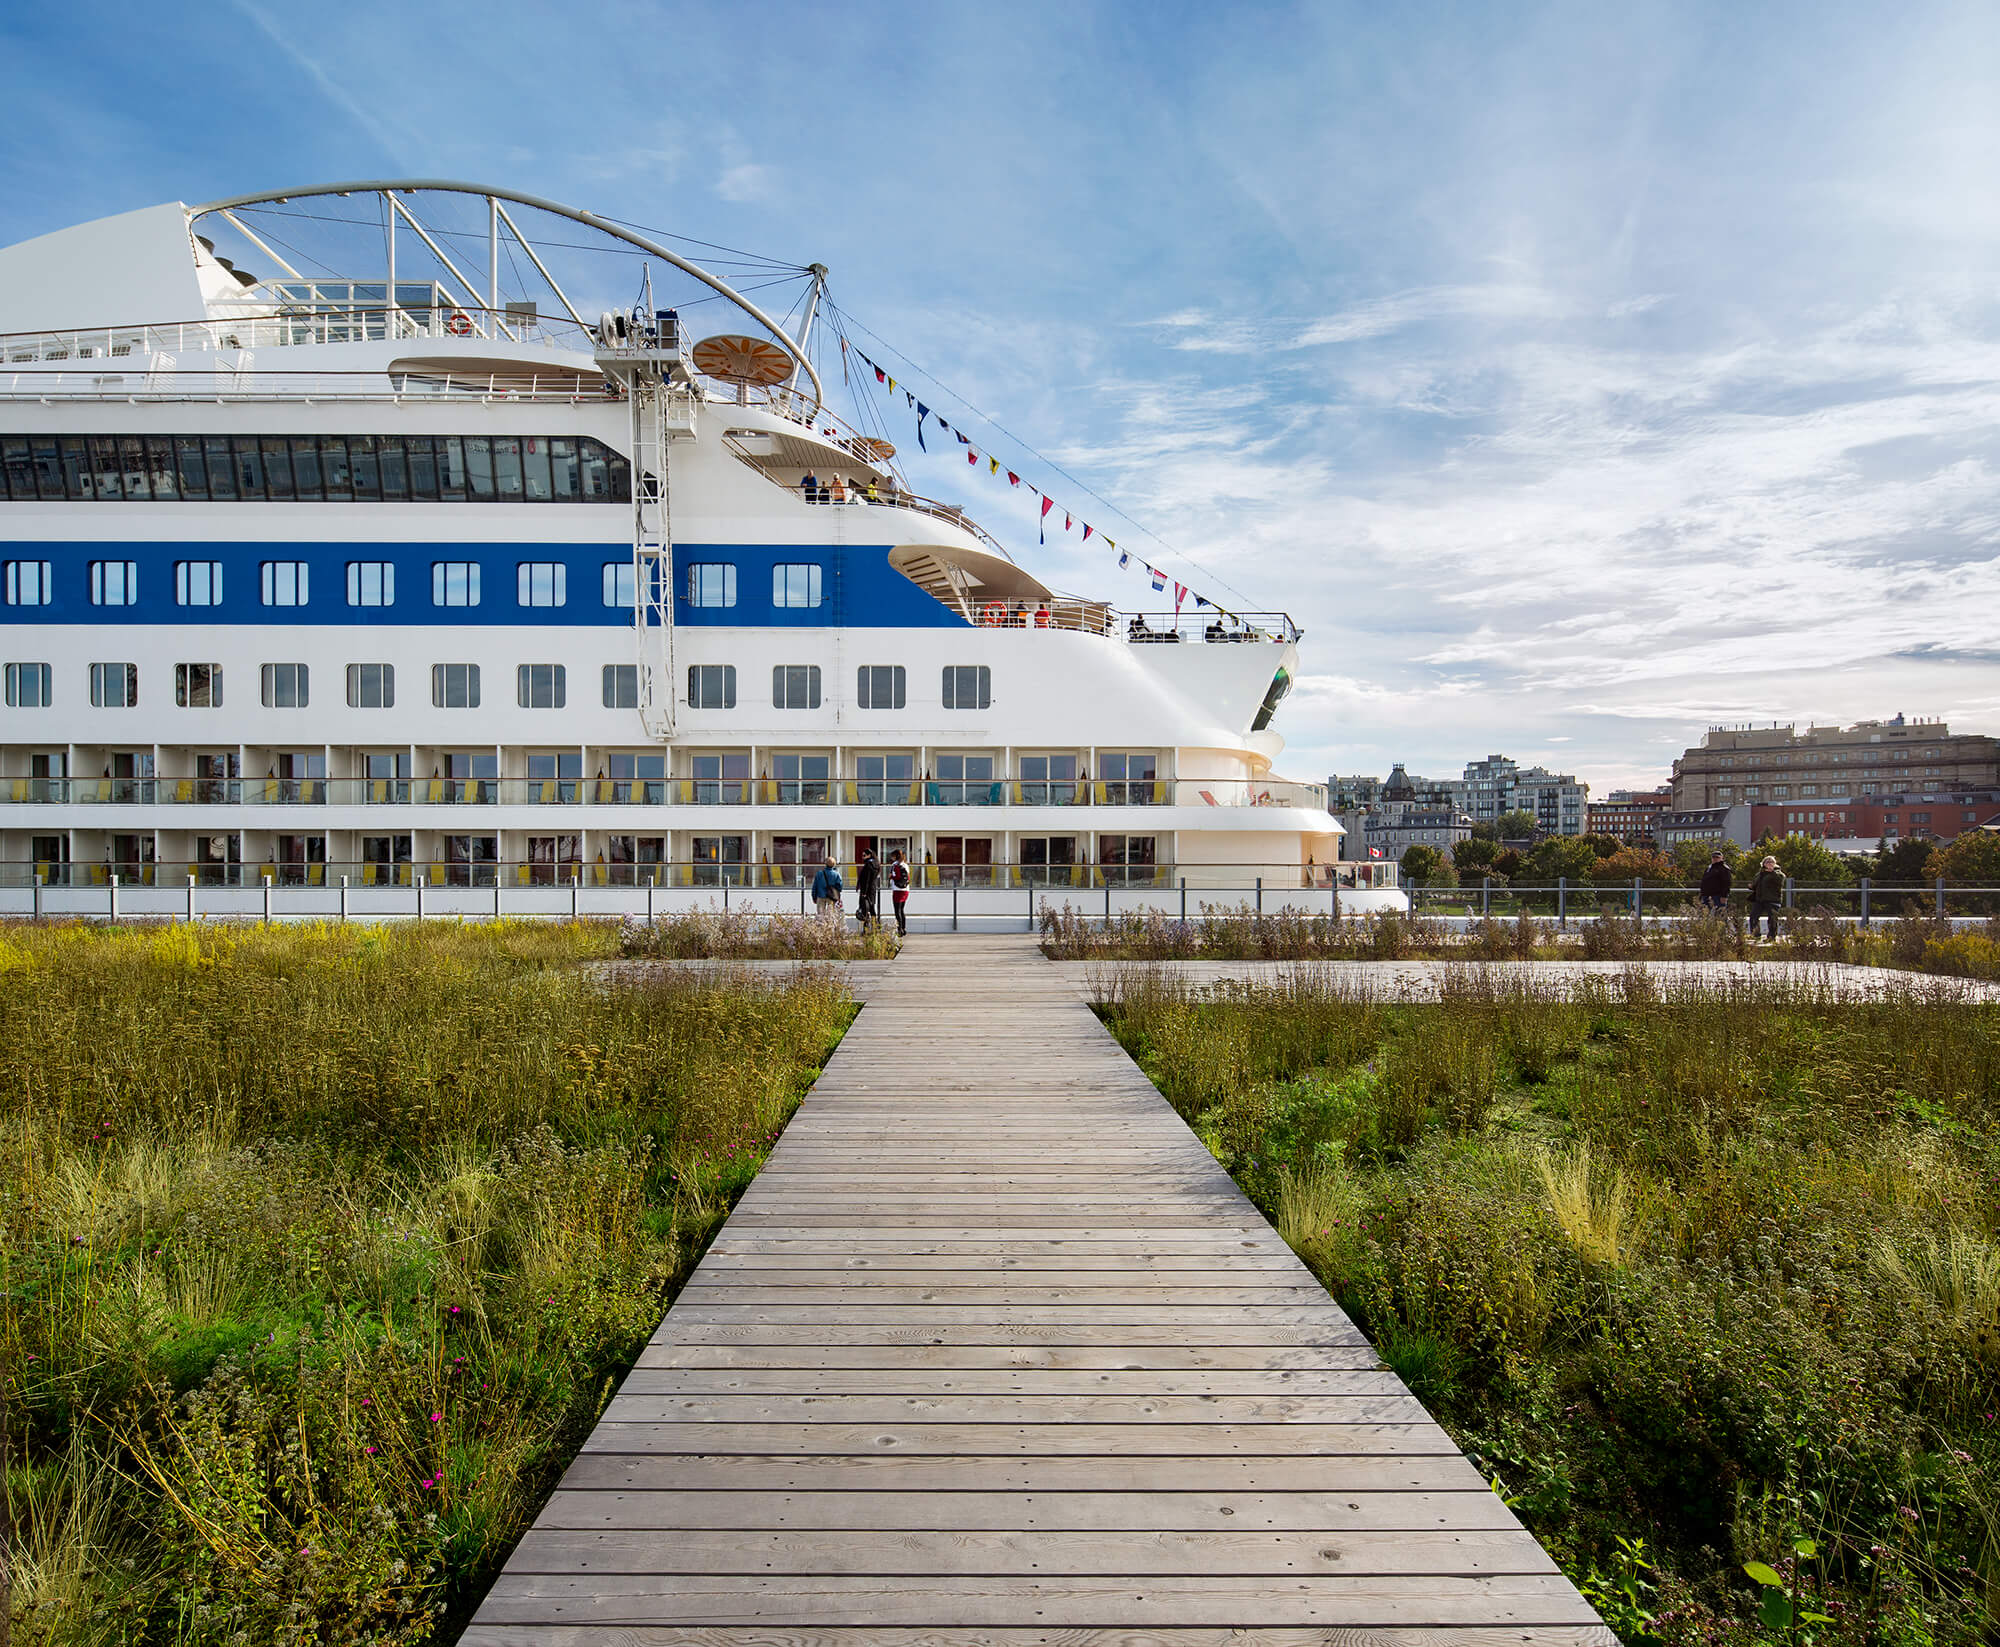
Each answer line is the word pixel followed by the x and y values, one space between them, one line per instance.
pixel 837 490
pixel 828 885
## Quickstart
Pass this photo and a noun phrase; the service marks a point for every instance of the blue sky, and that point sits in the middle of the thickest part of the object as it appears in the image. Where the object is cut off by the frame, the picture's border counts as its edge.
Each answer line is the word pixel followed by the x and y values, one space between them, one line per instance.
pixel 1577 376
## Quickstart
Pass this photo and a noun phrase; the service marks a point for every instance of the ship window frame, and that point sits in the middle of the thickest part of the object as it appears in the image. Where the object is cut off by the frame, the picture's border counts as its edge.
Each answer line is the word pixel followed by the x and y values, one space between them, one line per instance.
pixel 41 674
pixel 541 583
pixel 455 583
pixel 358 581
pixel 981 682
pixel 703 676
pixel 127 696
pixel 197 686
pixel 702 575
pixel 280 682
pixel 868 680
pixel 197 583
pixel 785 575
pixel 803 676
pixel 621 686
pixel 126 590
pixel 43 593
pixel 359 681
pixel 454 681
pixel 621 583
pixel 541 686
pixel 277 578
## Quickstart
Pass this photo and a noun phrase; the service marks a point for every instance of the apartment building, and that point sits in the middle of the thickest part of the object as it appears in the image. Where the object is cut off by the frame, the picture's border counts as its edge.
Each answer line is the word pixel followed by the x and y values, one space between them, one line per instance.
pixel 1499 785
pixel 1781 766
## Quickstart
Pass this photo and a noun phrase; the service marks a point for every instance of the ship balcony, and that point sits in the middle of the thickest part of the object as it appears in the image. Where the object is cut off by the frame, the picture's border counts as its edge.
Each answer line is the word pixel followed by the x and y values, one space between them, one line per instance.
pixel 457 793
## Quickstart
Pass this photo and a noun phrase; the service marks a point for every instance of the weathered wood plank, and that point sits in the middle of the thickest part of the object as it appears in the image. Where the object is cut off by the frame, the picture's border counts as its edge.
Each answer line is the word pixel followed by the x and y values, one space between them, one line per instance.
pixel 1294 1440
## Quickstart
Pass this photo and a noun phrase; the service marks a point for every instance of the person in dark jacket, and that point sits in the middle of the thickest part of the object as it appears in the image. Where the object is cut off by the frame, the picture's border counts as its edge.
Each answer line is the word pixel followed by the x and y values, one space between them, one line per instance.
pixel 1767 891
pixel 868 890
pixel 1715 884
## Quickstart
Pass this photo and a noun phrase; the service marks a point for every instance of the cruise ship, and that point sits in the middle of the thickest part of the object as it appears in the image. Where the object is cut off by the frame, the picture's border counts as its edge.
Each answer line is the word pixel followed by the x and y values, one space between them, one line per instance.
pixel 372 534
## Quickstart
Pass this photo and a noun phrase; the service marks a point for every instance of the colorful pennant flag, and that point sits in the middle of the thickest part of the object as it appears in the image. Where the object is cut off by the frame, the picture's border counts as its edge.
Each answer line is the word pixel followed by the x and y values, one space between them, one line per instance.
pixel 1159 578
pixel 1047 505
pixel 923 412
pixel 1124 560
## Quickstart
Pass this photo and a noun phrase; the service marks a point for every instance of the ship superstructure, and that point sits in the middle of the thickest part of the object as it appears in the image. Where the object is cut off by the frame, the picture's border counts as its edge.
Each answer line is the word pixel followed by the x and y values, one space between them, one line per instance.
pixel 426 575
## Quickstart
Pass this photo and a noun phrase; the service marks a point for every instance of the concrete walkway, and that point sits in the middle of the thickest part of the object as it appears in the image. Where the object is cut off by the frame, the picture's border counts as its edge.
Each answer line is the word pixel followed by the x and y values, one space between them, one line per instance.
pixel 993 1352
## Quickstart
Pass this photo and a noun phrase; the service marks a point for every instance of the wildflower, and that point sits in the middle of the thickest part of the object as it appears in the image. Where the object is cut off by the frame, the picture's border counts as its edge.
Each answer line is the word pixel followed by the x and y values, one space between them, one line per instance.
pixel 369 1450
pixel 437 1418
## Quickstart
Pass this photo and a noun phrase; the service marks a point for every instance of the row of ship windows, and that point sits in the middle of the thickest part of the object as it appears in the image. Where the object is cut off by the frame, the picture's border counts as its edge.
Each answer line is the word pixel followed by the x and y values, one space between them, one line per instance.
pixel 373 583
pixel 456 686
pixel 313 468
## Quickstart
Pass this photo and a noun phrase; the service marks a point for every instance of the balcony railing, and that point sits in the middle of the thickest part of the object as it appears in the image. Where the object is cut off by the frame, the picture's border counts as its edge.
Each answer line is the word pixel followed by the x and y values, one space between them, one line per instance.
pixel 775 792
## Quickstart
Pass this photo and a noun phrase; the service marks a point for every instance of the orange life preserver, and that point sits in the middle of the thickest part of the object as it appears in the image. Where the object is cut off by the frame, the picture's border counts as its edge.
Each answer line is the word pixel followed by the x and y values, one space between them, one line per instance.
pixel 460 324
pixel 993 614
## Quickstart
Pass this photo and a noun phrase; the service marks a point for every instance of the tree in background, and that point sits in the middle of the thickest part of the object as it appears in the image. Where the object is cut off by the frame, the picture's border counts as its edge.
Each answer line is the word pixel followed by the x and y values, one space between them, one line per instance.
pixel 1691 859
pixel 1485 832
pixel 1971 860
pixel 1518 825
pixel 1475 857
pixel 1509 864
pixel 1604 846
pixel 1561 857
pixel 1634 863
pixel 1907 863
pixel 1427 866
pixel 1805 860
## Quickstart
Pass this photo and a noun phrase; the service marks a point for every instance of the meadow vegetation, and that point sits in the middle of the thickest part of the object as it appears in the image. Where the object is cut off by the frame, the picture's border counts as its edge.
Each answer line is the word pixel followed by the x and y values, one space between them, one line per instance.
pixel 743 935
pixel 1239 933
pixel 321 1249
pixel 1706 1285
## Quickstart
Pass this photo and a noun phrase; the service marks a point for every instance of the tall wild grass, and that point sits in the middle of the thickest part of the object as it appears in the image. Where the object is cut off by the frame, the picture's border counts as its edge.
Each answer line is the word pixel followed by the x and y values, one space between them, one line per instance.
pixel 323 1248
pixel 1697 1279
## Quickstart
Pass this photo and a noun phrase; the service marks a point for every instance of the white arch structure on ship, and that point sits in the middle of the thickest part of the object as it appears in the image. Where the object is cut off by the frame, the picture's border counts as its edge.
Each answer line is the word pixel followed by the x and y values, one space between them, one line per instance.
pixel 590 220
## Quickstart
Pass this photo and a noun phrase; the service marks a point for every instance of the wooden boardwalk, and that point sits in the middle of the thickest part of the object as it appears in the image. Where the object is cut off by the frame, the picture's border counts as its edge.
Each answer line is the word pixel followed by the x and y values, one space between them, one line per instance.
pixel 993 1353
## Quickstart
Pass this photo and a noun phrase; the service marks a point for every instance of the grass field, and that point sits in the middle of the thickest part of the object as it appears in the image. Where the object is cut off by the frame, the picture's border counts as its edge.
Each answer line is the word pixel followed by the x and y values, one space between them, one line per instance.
pixel 323 1248
pixel 1238 933
pixel 1708 1288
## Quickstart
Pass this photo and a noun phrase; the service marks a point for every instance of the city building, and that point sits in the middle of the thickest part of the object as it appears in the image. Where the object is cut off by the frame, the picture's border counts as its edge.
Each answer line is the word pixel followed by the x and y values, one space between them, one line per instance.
pixel 1629 815
pixel 1386 835
pixel 1381 817
pixel 1498 785
pixel 1879 819
pixel 1359 793
pixel 1780 765
pixel 1710 825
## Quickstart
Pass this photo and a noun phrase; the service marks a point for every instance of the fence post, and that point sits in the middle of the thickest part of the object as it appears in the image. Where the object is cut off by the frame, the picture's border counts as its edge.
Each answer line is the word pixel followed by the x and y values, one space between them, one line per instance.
pixel 1940 898
pixel 1788 892
pixel 343 899
pixel 418 879
pixel 1485 896
pixel 114 898
pixel 38 894
pixel 573 884
pixel 1864 900
pixel 725 893
pixel 497 879
pixel 190 900
pixel 650 884
pixel 1184 897
pixel 1638 893
pixel 802 893
pixel 1562 900
pixel 267 900
pixel 954 906
pixel 1107 906
pixel 1260 894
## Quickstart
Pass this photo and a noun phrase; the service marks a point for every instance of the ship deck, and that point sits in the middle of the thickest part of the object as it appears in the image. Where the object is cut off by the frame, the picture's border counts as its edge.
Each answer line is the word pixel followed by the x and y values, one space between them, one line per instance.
pixel 993 1351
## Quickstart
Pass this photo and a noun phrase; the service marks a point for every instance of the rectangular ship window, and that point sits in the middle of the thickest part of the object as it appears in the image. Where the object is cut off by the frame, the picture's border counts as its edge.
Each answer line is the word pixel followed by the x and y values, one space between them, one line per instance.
pixel 541 686
pixel 795 686
pixel 371 583
pixel 621 686
pixel 968 686
pixel 795 585
pixel 454 583
pixel 542 583
pixel 27 583
pixel 284 582
pixel 114 685
pixel 880 686
pixel 712 583
pixel 198 685
pixel 371 686
pixel 712 686
pixel 197 583
pixel 114 582
pixel 286 686
pixel 28 686
pixel 455 685
pixel 620 582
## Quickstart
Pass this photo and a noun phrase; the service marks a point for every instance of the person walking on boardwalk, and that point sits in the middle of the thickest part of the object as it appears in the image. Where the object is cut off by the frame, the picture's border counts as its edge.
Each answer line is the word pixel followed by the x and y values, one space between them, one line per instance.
pixel 1715 884
pixel 826 890
pixel 899 890
pixel 1767 891
pixel 868 892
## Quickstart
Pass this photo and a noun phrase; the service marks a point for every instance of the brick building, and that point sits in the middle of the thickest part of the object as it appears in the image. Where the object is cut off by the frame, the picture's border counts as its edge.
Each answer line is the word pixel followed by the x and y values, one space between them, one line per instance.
pixel 1630 815
pixel 1885 818
pixel 1807 771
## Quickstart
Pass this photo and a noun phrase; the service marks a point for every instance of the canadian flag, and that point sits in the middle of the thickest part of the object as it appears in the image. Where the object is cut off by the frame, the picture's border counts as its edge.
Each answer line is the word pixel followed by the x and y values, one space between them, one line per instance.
pixel 1374 852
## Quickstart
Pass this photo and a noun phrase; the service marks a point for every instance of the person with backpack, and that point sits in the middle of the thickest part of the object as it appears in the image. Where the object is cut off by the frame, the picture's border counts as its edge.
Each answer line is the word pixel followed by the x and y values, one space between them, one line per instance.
pixel 1715 884
pixel 1767 892
pixel 899 890
pixel 826 890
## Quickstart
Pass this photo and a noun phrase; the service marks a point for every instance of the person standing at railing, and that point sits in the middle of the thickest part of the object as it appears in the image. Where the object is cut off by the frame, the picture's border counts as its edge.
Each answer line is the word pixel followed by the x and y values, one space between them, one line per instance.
pixel 899 890
pixel 1767 891
pixel 809 487
pixel 1715 884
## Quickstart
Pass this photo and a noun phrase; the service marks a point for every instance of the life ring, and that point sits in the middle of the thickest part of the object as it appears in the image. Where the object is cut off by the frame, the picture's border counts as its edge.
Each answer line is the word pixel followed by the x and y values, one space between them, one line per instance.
pixel 460 324
pixel 993 614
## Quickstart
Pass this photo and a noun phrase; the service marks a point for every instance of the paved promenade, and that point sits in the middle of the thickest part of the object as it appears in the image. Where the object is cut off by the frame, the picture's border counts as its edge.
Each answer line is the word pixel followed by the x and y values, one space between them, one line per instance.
pixel 993 1353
